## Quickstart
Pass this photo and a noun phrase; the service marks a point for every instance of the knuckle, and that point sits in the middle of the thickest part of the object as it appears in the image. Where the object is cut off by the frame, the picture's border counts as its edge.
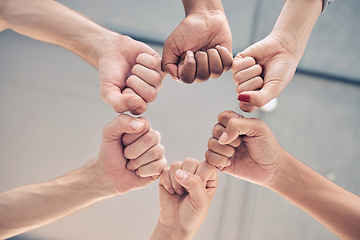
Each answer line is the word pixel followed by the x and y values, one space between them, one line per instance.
pixel 190 160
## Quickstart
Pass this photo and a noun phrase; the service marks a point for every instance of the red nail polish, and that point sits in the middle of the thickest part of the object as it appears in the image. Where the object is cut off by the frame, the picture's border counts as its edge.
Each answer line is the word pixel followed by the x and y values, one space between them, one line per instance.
pixel 244 98
pixel 262 67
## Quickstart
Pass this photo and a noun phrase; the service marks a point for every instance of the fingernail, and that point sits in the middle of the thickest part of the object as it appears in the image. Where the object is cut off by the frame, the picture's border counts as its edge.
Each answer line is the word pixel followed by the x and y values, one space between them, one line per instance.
pixel 244 98
pixel 175 78
pixel 262 67
pixel 129 166
pixel 180 192
pixel 228 163
pixel 171 191
pixel 182 175
pixel 223 138
pixel 136 124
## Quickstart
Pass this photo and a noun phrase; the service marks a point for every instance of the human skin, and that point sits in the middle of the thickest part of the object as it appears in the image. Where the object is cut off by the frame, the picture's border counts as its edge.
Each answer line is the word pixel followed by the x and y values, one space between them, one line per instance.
pixel 206 33
pixel 279 54
pixel 260 159
pixel 186 190
pixel 114 55
pixel 31 206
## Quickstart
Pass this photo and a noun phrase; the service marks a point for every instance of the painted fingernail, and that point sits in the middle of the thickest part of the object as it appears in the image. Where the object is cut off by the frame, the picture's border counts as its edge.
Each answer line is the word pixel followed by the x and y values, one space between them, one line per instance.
pixel 181 175
pixel 262 67
pixel 223 138
pixel 244 98
pixel 136 124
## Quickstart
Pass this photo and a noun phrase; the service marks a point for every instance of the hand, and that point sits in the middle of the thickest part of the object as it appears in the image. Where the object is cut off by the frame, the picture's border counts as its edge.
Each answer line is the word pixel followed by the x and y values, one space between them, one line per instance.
pixel 130 74
pixel 186 190
pixel 244 148
pixel 264 69
pixel 200 32
pixel 131 138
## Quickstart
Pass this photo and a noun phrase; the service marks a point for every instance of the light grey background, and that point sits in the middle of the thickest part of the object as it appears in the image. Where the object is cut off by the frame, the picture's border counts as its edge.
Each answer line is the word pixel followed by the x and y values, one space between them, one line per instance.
pixel 51 118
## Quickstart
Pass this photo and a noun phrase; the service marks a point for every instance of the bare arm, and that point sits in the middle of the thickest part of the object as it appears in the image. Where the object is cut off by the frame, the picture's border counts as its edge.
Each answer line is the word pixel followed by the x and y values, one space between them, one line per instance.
pixel 52 22
pixel 333 206
pixel 246 148
pixel 110 174
pixel 31 206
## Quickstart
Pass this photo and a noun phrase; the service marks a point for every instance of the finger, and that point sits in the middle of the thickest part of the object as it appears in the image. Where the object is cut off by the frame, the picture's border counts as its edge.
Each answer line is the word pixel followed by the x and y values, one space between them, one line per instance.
pixel 224 150
pixel 166 181
pixel 215 64
pixel 176 186
pixel 151 61
pixel 226 57
pixel 129 138
pixel 187 68
pixel 219 129
pixel 260 97
pixel 120 125
pixel 190 165
pixel 120 102
pixel 208 174
pixel 197 191
pixel 241 126
pixel 241 63
pixel 170 59
pixel 142 88
pixel 202 66
pixel 247 74
pixel 247 107
pixel 218 160
pixel 142 144
pixel 150 76
pixel 154 153
pixel 250 85
pixel 142 104
pixel 152 169
pixel 224 117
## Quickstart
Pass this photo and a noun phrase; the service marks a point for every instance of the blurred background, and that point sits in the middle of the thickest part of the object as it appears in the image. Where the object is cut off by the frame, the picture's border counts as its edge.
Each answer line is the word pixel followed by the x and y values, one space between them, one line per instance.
pixel 51 119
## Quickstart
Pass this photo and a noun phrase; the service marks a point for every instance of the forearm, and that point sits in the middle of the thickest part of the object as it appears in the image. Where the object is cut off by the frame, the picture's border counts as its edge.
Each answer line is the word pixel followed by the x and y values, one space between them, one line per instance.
pixel 162 232
pixel 199 6
pixel 331 205
pixel 31 206
pixel 296 22
pixel 51 22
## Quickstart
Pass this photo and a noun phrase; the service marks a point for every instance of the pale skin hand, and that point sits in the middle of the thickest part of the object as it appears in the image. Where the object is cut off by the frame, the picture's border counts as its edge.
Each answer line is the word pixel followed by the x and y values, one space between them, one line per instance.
pixel 247 149
pixel 186 190
pixel 204 32
pixel 279 54
pixel 31 206
pixel 113 54
pixel 130 75
pixel 131 161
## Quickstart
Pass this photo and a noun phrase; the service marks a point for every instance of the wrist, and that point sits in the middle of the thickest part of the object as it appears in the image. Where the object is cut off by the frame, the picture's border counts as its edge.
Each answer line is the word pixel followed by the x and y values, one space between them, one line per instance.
pixel 282 173
pixel 202 6
pixel 93 45
pixel 296 22
pixel 90 180
pixel 163 232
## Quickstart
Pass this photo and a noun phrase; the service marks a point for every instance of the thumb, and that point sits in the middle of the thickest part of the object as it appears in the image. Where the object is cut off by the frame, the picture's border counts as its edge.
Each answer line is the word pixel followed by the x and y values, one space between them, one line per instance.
pixel 122 102
pixel 260 97
pixel 170 61
pixel 194 185
pixel 122 124
pixel 250 127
